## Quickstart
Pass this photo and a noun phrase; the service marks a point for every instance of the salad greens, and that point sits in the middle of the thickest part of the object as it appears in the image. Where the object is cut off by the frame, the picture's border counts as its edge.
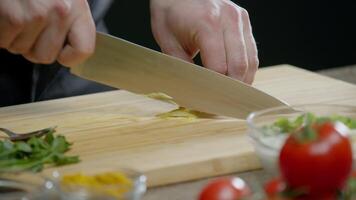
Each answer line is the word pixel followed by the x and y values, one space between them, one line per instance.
pixel 285 125
pixel 35 153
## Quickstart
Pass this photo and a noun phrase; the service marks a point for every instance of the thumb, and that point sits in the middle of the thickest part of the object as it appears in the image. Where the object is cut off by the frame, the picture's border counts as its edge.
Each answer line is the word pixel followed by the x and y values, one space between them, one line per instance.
pixel 80 43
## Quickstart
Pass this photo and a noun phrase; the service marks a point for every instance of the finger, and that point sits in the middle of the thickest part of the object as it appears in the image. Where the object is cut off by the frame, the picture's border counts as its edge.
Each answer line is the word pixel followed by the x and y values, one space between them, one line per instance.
pixel 51 40
pixel 176 50
pixel 30 58
pixel 251 48
pixel 11 23
pixel 80 42
pixel 171 47
pixel 26 39
pixel 212 50
pixel 235 46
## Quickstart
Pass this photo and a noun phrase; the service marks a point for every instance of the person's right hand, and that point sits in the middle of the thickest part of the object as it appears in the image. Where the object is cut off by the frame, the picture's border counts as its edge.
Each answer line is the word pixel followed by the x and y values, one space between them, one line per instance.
pixel 45 31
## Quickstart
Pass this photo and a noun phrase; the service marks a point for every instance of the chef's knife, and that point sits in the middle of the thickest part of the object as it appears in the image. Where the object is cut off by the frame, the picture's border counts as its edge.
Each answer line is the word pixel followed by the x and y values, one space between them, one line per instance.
pixel 122 64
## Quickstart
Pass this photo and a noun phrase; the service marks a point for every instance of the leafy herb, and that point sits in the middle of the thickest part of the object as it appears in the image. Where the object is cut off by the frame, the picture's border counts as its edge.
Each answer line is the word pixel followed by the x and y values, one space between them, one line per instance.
pixel 285 125
pixel 307 132
pixel 35 153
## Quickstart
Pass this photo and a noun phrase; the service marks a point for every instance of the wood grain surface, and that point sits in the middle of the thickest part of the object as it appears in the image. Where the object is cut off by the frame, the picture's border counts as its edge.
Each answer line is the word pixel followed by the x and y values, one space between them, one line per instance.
pixel 119 129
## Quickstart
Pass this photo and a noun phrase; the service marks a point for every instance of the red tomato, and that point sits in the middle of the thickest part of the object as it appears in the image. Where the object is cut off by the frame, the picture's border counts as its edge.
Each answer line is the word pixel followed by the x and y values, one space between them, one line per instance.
pixel 320 165
pixel 229 188
pixel 274 187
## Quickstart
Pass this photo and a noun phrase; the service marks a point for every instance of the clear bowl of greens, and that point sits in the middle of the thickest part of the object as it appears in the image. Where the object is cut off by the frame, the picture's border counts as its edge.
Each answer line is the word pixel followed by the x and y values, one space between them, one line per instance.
pixel 100 184
pixel 268 129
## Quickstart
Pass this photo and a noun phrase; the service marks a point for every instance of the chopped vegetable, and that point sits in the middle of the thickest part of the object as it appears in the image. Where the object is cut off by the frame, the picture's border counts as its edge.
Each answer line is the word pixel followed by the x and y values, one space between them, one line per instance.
pixel 35 153
pixel 115 184
pixel 161 97
pixel 181 112
pixel 349 122
pixel 285 125
pixel 184 113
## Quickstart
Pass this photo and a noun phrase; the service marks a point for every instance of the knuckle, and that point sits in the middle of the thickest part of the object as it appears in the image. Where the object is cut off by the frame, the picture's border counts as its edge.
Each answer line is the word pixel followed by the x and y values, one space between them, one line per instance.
pixel 241 66
pixel 244 13
pixel 232 12
pixel 62 8
pixel 222 68
pixel 38 13
pixel 212 19
pixel 16 22
pixel 39 16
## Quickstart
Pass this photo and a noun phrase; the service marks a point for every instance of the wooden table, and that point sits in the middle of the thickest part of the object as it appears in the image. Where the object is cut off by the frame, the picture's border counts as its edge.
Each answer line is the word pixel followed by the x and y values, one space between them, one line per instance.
pixel 190 190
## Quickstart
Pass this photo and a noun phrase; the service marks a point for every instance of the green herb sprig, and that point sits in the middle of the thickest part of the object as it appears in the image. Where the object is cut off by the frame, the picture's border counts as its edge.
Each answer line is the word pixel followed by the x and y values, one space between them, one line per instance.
pixel 285 125
pixel 35 153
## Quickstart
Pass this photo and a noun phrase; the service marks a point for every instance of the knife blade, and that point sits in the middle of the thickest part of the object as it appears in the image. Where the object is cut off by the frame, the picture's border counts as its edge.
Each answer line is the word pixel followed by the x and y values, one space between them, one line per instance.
pixel 125 65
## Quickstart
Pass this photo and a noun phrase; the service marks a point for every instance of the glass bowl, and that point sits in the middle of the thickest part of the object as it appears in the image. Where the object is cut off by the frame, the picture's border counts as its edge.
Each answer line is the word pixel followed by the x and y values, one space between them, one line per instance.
pixel 132 187
pixel 25 186
pixel 268 144
pixel 31 186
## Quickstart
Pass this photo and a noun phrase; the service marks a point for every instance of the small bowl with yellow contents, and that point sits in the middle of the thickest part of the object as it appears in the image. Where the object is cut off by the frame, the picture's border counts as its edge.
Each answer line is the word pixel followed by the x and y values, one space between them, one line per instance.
pixel 122 184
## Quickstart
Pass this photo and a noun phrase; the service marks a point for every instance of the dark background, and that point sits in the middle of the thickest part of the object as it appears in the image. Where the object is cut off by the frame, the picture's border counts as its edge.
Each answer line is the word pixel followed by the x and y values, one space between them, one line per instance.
pixel 310 34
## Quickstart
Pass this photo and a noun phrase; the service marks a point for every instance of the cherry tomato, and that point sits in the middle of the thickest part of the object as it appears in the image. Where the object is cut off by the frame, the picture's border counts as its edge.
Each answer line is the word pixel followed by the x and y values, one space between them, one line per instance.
pixel 319 164
pixel 229 188
pixel 274 187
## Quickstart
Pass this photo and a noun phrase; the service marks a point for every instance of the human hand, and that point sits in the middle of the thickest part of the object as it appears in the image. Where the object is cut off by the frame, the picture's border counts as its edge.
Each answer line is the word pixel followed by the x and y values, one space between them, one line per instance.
pixel 219 29
pixel 44 31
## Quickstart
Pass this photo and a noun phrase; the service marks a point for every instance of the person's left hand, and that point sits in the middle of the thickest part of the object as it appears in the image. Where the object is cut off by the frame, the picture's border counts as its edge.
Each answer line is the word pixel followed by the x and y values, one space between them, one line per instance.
pixel 219 29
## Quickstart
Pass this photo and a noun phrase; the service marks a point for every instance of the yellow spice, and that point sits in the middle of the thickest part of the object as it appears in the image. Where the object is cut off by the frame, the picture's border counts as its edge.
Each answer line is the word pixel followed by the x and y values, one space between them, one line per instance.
pixel 113 183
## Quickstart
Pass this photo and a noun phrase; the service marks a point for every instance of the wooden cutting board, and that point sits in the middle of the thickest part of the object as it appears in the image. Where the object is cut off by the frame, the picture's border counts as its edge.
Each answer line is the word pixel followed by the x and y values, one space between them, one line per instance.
pixel 119 129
